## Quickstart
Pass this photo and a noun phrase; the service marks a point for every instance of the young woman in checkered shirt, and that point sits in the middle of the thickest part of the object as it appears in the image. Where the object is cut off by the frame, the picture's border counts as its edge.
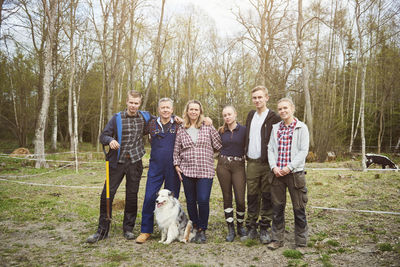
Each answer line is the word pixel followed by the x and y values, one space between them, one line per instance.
pixel 287 152
pixel 231 170
pixel 194 162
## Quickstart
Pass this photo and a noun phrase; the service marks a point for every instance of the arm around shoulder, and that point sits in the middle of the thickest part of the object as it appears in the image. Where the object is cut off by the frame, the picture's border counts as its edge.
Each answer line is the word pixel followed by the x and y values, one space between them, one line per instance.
pixel 216 141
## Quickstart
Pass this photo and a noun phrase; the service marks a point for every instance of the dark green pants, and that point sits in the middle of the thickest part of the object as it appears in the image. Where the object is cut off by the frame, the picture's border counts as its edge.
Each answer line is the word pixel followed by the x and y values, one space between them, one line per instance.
pixel 259 203
pixel 296 184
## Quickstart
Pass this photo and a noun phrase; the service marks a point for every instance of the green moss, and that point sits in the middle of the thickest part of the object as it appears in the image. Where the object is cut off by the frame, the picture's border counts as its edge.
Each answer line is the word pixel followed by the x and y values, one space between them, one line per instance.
pixel 293 254
pixel 385 247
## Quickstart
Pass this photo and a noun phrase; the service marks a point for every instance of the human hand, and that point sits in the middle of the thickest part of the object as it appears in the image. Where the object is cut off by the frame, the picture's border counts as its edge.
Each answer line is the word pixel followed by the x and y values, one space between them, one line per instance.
pixel 208 121
pixel 179 172
pixel 277 172
pixel 285 171
pixel 114 144
pixel 178 119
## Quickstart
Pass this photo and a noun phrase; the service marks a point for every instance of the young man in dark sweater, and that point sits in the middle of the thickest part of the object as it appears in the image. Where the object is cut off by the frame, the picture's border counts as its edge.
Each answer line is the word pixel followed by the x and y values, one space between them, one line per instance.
pixel 258 130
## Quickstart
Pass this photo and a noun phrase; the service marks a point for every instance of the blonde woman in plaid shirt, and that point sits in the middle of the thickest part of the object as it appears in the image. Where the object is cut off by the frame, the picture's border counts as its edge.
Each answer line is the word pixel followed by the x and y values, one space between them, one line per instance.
pixel 194 162
pixel 287 152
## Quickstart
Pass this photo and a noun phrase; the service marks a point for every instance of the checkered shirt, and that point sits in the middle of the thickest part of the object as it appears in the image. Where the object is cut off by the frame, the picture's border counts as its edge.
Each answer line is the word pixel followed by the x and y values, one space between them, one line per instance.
pixel 285 136
pixel 132 137
pixel 196 160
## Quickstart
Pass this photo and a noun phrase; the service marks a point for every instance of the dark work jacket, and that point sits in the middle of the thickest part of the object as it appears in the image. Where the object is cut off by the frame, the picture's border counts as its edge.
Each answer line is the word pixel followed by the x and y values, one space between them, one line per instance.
pixel 113 131
pixel 266 129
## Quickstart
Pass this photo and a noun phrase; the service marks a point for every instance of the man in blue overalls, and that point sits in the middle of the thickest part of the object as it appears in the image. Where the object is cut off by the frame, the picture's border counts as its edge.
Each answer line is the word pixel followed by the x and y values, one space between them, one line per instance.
pixel 162 132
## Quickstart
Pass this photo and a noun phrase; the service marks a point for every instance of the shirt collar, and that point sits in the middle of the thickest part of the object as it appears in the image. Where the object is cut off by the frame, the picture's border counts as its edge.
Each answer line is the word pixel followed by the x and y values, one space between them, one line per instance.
pixel 291 125
pixel 236 128
pixel 127 115
pixel 159 121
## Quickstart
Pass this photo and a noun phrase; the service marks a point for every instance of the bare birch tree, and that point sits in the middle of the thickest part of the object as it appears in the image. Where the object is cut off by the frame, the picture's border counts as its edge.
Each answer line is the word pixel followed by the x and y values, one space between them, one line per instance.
pixel 50 12
pixel 304 64
pixel 156 66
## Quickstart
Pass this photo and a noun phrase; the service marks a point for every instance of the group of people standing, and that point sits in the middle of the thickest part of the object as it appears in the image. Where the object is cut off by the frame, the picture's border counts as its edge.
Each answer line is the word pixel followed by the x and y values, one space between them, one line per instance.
pixel 274 146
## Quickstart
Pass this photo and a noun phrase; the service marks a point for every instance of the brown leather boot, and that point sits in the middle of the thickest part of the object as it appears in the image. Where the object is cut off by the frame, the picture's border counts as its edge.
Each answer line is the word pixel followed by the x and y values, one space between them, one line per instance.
pixel 142 238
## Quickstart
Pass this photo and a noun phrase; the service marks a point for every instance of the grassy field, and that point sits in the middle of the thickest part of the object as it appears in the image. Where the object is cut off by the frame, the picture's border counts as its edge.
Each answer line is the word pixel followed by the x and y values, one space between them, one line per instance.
pixel 47 214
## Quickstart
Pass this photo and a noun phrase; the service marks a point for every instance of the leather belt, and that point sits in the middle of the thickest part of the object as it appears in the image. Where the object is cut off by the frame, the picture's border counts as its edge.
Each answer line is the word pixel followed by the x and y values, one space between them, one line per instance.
pixel 232 158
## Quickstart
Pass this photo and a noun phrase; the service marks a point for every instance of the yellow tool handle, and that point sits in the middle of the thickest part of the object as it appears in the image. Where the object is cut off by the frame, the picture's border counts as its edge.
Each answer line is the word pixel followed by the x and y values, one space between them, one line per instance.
pixel 107 179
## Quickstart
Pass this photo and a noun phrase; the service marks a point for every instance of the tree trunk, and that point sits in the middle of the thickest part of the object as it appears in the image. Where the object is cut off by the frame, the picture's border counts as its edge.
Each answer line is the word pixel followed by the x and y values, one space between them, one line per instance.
pixel 50 11
pixel 156 61
pixel 309 116
pixel 363 72
pixel 75 135
pixel 352 135
pixel 362 104
pixel 101 112
pixel 55 121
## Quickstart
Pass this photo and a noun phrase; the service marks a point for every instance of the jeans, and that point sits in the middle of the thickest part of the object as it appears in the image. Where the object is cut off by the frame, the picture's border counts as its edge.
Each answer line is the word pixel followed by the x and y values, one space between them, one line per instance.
pixel 197 192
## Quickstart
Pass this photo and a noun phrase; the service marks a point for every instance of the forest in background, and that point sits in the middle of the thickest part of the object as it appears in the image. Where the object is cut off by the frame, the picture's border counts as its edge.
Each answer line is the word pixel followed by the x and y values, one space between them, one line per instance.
pixel 66 65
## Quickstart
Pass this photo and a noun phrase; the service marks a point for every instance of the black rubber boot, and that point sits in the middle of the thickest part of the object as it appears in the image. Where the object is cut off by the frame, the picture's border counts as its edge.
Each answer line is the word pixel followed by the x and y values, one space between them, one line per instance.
pixel 231 232
pixel 241 231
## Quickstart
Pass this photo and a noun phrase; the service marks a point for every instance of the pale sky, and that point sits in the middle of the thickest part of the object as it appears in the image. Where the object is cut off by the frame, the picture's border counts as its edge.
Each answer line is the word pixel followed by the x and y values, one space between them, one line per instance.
pixel 219 10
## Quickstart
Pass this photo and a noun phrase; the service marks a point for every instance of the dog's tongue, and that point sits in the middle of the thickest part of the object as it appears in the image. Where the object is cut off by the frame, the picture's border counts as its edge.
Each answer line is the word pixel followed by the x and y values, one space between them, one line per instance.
pixel 159 205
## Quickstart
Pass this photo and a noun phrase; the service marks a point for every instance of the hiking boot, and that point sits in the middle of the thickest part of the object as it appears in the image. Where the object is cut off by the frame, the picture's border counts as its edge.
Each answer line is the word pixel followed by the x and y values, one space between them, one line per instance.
pixel 129 235
pixel 275 245
pixel 265 237
pixel 231 232
pixel 95 237
pixel 142 238
pixel 252 234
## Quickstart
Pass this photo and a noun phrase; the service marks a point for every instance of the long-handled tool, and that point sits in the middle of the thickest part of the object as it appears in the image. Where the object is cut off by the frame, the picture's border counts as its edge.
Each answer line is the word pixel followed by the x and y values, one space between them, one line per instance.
pixel 107 185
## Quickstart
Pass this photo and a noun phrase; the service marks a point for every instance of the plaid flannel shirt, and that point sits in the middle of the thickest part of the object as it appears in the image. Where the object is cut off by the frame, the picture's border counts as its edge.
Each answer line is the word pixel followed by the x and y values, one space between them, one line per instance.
pixel 197 160
pixel 133 129
pixel 285 136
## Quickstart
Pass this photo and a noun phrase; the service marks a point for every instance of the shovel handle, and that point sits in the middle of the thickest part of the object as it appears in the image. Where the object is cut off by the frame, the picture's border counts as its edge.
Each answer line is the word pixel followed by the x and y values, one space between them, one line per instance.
pixel 107 183
pixel 108 189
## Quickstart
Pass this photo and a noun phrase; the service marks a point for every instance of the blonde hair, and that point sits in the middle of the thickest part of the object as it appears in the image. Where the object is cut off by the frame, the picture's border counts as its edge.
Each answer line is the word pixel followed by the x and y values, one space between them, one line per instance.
pixel 134 94
pixel 186 119
pixel 286 99
pixel 221 129
pixel 260 88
